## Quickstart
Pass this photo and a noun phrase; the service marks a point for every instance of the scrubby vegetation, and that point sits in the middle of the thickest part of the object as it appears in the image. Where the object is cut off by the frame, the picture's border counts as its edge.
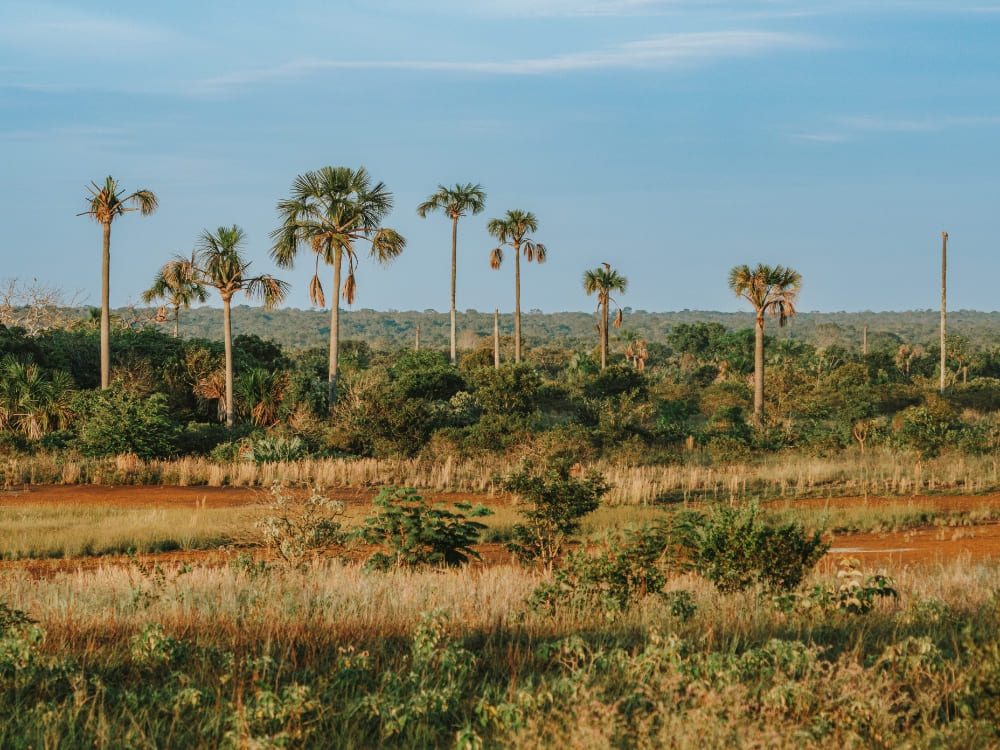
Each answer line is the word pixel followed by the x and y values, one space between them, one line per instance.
pixel 646 597
pixel 689 406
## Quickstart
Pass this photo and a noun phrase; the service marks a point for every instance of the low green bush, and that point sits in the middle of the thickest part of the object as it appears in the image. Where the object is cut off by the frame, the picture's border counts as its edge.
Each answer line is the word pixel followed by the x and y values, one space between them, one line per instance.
pixel 415 533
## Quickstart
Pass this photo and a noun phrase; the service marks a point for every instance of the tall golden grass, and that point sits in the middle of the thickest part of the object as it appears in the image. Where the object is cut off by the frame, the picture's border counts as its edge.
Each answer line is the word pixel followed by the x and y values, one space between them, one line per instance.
pixel 881 473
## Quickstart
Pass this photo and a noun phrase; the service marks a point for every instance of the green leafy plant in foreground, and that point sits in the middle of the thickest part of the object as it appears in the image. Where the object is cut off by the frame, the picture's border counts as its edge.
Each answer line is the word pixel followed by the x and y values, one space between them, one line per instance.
pixel 416 533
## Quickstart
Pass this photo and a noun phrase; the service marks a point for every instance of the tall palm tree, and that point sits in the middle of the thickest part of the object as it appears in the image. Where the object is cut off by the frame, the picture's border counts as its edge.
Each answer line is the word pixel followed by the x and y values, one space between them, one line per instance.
pixel 175 283
pixel 773 290
pixel 604 281
pixel 511 230
pixel 105 204
pixel 456 202
pixel 220 265
pixel 329 210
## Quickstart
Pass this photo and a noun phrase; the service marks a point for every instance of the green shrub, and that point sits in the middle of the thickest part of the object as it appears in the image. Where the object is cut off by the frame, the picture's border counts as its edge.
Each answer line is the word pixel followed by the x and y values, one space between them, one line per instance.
pixel 625 568
pixel 416 533
pixel 117 421
pixel 556 503
pixel 268 449
pixel 736 548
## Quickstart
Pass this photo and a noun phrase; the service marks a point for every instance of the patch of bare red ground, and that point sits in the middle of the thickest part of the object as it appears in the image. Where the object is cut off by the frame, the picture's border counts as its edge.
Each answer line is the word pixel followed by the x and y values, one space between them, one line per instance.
pixel 925 545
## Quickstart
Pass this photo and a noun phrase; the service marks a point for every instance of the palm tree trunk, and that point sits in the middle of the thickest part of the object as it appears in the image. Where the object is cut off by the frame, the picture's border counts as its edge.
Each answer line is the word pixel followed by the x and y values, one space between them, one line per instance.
pixel 517 304
pixel 227 334
pixel 177 321
pixel 758 370
pixel 604 334
pixel 454 264
pixel 106 308
pixel 334 332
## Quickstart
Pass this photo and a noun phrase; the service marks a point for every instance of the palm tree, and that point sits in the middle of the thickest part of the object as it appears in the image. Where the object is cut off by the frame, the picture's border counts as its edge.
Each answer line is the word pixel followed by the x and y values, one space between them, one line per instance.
pixel 511 230
pixel 220 265
pixel 175 283
pixel 329 211
pixel 32 403
pixel 604 281
pixel 105 204
pixel 456 202
pixel 772 290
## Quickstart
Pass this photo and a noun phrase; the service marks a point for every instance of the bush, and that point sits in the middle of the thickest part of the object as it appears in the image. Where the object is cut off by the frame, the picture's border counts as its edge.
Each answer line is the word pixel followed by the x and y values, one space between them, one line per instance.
pixel 296 528
pixel 269 449
pixel 626 568
pixel 556 504
pixel 736 548
pixel 116 421
pixel 416 533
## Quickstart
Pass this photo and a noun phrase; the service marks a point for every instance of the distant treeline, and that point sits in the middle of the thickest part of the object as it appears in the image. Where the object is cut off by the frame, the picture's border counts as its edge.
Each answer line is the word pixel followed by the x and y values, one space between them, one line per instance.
pixel 294 329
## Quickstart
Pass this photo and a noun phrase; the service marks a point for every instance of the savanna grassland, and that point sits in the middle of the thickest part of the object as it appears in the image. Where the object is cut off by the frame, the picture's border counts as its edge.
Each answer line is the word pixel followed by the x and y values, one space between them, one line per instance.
pixel 571 556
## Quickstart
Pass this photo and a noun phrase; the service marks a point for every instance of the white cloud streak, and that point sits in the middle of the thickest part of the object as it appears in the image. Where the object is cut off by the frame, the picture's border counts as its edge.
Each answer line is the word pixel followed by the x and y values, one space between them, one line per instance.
pixel 660 53
pixel 854 128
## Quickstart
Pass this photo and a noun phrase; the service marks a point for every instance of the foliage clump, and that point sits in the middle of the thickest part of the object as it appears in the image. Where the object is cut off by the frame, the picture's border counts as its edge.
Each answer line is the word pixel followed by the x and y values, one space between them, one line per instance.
pixel 736 548
pixel 555 503
pixel 415 533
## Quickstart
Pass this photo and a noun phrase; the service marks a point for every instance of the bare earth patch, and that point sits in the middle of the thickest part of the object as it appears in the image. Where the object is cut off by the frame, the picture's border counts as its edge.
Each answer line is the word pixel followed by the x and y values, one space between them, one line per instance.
pixel 925 545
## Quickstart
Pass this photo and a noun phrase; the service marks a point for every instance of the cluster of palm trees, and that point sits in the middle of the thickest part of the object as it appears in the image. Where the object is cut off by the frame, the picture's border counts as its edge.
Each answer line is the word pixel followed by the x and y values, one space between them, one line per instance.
pixel 332 210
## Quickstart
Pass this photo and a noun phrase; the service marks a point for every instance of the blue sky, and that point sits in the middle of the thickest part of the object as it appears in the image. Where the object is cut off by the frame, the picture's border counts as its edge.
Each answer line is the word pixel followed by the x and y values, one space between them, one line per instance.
pixel 672 139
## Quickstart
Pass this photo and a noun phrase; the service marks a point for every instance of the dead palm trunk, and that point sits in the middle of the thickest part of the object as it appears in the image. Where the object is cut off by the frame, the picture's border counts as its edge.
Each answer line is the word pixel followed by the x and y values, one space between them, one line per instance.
pixel 106 308
pixel 944 288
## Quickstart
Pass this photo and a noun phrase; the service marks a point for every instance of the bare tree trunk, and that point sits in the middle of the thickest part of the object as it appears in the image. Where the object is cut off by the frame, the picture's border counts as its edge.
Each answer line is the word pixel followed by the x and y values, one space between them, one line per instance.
pixel 864 340
pixel 331 394
pixel 604 334
pixel 106 308
pixel 496 338
pixel 758 371
pixel 517 304
pixel 416 342
pixel 227 334
pixel 454 265
pixel 177 322
pixel 944 287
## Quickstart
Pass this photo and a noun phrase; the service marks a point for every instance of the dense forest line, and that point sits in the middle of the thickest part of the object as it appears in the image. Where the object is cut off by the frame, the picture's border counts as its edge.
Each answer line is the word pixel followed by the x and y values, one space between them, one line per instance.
pixel 686 395
pixel 295 329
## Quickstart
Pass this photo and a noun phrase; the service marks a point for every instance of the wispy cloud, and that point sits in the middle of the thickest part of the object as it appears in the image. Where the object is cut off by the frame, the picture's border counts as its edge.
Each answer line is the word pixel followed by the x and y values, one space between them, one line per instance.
pixel 719 8
pixel 39 28
pixel 662 52
pixel 855 127
pixel 822 137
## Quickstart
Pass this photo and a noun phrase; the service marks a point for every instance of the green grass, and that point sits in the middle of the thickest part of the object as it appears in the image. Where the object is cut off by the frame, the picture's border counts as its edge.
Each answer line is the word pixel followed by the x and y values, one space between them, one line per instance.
pixel 37 531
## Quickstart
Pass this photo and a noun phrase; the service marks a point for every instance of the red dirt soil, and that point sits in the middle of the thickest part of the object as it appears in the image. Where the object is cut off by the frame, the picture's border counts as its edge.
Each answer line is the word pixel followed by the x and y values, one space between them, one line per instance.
pixel 925 545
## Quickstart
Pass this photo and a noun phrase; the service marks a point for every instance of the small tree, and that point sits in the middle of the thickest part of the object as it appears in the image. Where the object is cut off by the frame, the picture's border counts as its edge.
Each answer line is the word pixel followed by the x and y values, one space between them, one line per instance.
pixel 415 533
pixel 556 504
